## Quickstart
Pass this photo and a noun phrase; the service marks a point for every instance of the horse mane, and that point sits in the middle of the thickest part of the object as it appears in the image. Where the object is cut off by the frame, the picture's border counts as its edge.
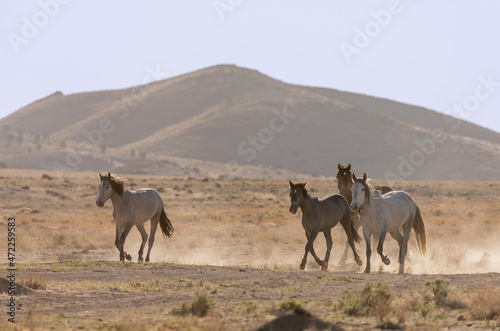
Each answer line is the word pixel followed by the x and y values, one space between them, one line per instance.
pixel 117 183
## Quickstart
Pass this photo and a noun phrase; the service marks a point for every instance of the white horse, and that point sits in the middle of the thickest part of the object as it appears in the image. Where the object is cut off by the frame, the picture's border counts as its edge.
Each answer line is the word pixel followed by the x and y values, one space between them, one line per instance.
pixel 133 208
pixel 380 214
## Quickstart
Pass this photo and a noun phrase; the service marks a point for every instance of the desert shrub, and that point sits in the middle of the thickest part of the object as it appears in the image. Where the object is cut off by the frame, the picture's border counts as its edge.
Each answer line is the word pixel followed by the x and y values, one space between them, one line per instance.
pixel 485 305
pixel 250 307
pixel 371 299
pixel 199 307
pixel 289 305
pixel 183 310
pixel 439 289
pixel 34 283
pixel 57 238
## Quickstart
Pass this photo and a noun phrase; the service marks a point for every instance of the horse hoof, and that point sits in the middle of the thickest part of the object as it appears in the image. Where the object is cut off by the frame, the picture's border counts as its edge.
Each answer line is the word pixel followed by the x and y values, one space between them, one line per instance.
pixel 302 267
pixel 140 261
pixel 129 258
pixel 324 266
pixel 367 271
pixel 147 260
pixel 386 261
pixel 359 262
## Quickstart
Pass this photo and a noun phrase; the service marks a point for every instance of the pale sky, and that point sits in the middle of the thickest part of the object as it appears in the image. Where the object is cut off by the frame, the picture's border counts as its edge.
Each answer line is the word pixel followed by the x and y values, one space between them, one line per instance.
pixel 444 56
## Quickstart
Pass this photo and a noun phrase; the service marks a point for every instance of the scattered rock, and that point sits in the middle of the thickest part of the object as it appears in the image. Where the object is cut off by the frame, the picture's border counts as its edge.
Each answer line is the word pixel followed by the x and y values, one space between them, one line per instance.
pixel 26 187
pixel 160 189
pixel 300 320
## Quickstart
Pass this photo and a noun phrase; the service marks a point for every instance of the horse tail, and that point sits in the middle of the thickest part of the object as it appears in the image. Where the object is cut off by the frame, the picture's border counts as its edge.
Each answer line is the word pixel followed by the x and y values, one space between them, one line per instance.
pixel 355 234
pixel 354 231
pixel 419 228
pixel 165 224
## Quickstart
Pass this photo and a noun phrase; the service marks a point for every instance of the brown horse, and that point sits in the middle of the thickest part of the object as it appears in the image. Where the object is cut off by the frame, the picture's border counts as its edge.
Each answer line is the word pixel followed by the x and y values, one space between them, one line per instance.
pixel 321 215
pixel 345 183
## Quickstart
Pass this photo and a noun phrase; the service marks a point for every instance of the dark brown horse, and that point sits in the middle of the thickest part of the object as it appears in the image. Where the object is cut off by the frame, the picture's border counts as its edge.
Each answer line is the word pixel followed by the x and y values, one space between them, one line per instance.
pixel 345 183
pixel 321 215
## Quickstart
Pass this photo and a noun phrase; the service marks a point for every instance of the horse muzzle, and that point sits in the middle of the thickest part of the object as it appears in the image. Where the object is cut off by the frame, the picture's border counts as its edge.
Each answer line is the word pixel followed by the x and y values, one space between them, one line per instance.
pixel 99 203
pixel 293 210
pixel 354 207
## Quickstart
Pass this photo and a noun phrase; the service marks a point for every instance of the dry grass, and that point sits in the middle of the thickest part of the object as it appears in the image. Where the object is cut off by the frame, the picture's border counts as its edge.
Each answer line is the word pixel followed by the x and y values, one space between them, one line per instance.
pixel 34 282
pixel 243 222
pixel 485 305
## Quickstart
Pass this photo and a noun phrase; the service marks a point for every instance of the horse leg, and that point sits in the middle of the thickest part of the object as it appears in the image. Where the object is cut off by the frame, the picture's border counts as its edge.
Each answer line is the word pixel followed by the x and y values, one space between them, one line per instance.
pixel 402 251
pixel 309 248
pixel 119 231
pixel 329 244
pixel 368 241
pixel 399 238
pixel 124 235
pixel 355 221
pixel 152 232
pixel 380 248
pixel 343 259
pixel 350 240
pixel 144 236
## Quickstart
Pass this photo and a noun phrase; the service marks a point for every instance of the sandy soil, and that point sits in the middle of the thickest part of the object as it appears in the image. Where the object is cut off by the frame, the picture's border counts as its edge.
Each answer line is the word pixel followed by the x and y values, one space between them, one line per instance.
pixel 89 295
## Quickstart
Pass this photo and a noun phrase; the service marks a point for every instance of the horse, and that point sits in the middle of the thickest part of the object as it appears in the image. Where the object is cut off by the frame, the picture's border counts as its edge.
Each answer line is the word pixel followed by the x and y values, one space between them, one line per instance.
pixel 379 214
pixel 321 216
pixel 345 182
pixel 133 208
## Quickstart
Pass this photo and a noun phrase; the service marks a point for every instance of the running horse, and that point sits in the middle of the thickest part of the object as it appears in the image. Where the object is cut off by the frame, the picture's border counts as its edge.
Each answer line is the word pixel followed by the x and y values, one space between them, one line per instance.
pixel 381 214
pixel 133 208
pixel 345 182
pixel 321 216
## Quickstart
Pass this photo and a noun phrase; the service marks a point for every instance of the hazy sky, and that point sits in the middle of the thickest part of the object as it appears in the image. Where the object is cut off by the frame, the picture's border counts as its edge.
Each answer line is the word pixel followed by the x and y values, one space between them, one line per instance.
pixel 443 55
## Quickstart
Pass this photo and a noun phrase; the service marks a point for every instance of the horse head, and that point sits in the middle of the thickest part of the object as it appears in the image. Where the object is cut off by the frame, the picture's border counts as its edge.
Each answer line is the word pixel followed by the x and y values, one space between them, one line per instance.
pixel 344 177
pixel 360 193
pixel 109 185
pixel 105 189
pixel 297 193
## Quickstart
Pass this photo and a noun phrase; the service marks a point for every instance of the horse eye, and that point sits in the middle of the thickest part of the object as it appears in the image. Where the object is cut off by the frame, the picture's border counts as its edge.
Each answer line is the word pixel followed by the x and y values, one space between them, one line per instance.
pixel 107 186
pixel 363 189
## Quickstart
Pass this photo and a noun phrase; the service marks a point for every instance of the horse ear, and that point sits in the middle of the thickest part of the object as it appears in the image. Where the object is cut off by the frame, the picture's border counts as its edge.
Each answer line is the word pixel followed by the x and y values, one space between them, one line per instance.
pixel 354 177
pixel 291 184
pixel 339 166
pixel 109 175
pixel 101 176
pixel 365 177
pixel 349 167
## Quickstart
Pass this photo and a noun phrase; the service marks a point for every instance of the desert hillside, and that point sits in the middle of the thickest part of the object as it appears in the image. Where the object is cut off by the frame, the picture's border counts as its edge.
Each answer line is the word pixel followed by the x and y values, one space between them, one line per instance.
pixel 196 124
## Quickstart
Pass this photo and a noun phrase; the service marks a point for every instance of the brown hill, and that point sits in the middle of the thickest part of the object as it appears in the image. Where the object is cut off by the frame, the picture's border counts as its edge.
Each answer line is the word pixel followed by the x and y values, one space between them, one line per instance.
pixel 227 114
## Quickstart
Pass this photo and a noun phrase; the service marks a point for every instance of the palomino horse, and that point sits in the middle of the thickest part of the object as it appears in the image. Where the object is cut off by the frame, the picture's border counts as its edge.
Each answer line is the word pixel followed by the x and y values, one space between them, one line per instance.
pixel 379 214
pixel 321 216
pixel 133 208
pixel 345 182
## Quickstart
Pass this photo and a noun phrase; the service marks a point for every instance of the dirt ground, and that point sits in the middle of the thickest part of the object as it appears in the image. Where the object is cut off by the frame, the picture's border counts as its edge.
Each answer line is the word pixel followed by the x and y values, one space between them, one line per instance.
pixel 109 294
pixel 237 249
